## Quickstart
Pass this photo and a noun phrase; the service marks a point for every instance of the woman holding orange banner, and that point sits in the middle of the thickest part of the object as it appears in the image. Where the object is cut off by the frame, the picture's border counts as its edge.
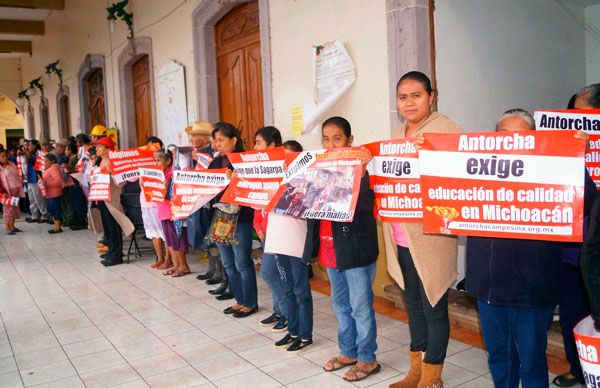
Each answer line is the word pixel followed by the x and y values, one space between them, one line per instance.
pixel 231 230
pixel 424 266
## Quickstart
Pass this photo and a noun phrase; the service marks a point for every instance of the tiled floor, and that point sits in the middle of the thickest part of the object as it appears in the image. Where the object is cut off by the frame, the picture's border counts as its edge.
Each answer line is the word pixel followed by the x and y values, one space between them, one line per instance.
pixel 67 321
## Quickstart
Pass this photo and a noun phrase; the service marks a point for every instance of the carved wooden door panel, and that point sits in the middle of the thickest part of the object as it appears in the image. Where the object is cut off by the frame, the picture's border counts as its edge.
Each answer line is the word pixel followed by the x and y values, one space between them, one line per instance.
pixel 65 123
pixel 237 39
pixel 96 104
pixel 141 95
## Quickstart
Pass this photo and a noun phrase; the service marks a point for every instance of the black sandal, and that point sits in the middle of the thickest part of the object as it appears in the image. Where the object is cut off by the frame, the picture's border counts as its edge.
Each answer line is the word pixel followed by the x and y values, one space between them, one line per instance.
pixel 564 381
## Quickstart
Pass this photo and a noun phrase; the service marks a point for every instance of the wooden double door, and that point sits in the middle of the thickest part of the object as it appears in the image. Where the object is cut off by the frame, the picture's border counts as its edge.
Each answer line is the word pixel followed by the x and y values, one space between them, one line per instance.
pixel 237 39
pixel 140 74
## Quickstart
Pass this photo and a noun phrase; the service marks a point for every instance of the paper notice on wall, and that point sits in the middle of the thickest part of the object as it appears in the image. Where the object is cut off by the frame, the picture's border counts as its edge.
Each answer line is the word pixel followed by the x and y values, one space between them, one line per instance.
pixel 297 120
pixel 173 108
pixel 334 74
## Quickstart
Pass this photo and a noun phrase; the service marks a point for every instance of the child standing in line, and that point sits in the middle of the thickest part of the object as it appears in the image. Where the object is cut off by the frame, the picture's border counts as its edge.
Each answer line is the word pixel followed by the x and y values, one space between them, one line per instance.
pixel 270 137
pixel 54 184
pixel 176 244
pixel 10 186
pixel 294 273
pixel 348 250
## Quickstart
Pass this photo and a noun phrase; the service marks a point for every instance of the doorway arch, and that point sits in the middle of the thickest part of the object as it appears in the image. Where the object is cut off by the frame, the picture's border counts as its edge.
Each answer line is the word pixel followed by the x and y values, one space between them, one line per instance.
pixel 136 50
pixel 204 19
pixel 92 65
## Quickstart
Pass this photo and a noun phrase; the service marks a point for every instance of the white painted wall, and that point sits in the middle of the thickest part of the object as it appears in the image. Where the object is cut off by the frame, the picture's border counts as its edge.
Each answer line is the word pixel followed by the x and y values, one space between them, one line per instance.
pixel 592 45
pixel 82 29
pixel 495 55
pixel 361 26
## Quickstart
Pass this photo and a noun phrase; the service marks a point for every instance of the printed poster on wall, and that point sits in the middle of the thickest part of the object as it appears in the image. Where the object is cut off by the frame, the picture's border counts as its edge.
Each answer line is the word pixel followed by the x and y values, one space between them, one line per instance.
pixel 172 103
pixel 322 185
pixel 99 186
pixel 258 175
pixel 394 177
pixel 510 184
pixel 152 183
pixel 125 164
pixel 334 74
pixel 194 189
pixel 585 120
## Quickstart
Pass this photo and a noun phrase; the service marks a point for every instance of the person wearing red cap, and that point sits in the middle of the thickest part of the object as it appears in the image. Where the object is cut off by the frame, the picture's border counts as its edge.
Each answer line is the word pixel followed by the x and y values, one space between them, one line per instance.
pixel 113 235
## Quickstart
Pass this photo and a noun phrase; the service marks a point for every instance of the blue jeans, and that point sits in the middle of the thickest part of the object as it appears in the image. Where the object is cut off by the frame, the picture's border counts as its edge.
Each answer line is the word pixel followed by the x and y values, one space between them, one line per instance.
pixel 516 339
pixel 240 266
pixel 352 302
pixel 297 296
pixel 270 274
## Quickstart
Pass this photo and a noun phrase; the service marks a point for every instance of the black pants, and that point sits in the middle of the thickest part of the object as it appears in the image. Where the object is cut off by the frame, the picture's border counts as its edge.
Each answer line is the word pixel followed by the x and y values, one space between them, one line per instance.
pixel 573 307
pixel 79 205
pixel 429 326
pixel 113 235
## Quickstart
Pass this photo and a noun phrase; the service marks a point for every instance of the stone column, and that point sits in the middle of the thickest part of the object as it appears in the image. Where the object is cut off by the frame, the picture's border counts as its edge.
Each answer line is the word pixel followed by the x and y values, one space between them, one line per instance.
pixel 409 44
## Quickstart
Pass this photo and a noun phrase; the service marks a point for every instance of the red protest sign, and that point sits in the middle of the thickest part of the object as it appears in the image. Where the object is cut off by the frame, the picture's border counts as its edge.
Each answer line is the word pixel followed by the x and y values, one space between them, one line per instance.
pixel 321 185
pixel 194 189
pixel 202 160
pixel 152 182
pixel 125 164
pixel 525 185
pixel 99 186
pixel 585 120
pixel 394 177
pixel 587 340
pixel 39 164
pixel 258 175
pixel 11 201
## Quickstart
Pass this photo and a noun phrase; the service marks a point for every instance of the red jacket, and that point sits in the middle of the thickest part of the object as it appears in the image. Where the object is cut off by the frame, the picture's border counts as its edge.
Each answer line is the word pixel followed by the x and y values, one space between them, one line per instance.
pixel 53 181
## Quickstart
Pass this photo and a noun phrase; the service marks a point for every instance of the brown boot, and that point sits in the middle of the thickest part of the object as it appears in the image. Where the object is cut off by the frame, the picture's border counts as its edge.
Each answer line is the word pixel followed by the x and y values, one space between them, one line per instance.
pixel 432 376
pixel 412 378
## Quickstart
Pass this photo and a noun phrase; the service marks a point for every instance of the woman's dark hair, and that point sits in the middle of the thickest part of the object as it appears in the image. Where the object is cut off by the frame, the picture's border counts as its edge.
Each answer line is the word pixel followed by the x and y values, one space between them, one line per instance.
pixel 164 154
pixel 419 77
pixel 339 122
pixel 82 137
pixel 36 144
pixel 50 157
pixel 571 104
pixel 3 151
pixel 72 149
pixel 293 145
pixel 231 132
pixel 154 139
pixel 269 135
pixel 92 150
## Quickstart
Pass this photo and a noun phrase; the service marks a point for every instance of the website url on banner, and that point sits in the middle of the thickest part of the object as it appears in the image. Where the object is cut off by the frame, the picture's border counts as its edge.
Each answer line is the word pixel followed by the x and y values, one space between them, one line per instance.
pixel 401 214
pixel 512 228
pixel 251 201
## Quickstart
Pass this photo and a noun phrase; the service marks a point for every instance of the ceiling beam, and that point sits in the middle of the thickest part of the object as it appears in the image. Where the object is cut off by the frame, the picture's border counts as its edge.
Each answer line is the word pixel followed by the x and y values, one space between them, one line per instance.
pixel 40 4
pixel 23 27
pixel 15 46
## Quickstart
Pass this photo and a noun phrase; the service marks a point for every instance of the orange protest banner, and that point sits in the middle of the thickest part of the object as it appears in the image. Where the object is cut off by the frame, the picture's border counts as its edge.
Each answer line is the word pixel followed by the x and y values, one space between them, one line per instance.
pixel 99 186
pixel 125 164
pixel 585 120
pixel 394 177
pixel 525 185
pixel 258 175
pixel 587 339
pixel 152 182
pixel 321 185
pixel 194 189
